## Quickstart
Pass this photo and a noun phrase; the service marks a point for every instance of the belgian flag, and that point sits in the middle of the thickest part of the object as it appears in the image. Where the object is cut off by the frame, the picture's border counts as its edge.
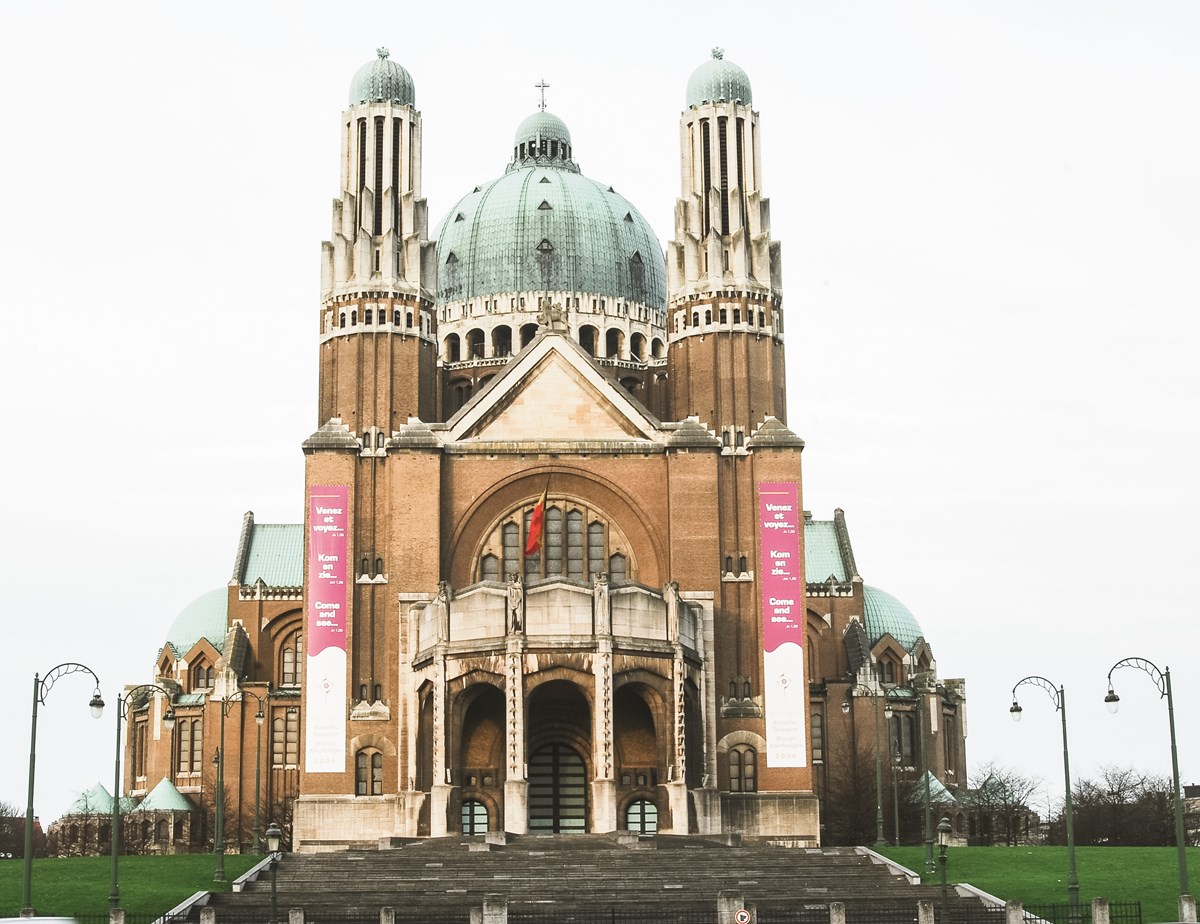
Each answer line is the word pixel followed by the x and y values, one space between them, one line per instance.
pixel 533 542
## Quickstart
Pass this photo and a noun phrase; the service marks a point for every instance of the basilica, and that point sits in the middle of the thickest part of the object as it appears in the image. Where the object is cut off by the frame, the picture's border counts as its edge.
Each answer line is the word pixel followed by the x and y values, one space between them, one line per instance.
pixel 554 572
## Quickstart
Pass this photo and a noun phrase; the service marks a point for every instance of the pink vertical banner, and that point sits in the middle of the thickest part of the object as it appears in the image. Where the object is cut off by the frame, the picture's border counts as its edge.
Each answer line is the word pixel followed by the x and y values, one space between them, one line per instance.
pixel 328 605
pixel 784 679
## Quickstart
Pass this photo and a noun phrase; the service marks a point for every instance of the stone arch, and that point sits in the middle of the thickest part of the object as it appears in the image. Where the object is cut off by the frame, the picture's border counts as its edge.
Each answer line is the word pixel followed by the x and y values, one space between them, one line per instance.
pixel 382 743
pixel 741 736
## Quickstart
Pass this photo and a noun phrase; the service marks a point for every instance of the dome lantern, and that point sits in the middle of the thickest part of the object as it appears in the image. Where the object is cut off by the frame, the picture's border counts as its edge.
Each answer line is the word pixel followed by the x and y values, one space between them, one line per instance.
pixel 718 81
pixel 382 81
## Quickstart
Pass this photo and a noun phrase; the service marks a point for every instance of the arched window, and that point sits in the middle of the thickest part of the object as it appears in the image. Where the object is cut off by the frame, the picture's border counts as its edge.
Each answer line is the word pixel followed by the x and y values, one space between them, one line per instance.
pixel 342 319
pixel 641 817
pixel 743 769
pixel 905 738
pixel 291 656
pixel 197 745
pixel 185 746
pixel 368 315
pixel 354 317
pixel 553 541
pixel 489 568
pixel 368 773
pixel 160 831
pixel 285 738
pixel 575 545
pixel 208 677
pixel 474 817
pixel 145 829
pixel 396 318
pixel 617 566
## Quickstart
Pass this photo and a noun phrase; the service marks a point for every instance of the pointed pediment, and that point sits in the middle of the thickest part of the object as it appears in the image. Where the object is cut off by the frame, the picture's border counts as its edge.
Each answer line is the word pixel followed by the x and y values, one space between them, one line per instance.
pixel 553 392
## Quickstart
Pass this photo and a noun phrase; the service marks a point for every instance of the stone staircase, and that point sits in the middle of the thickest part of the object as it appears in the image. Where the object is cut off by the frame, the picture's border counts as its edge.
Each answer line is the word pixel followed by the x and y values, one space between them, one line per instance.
pixel 556 877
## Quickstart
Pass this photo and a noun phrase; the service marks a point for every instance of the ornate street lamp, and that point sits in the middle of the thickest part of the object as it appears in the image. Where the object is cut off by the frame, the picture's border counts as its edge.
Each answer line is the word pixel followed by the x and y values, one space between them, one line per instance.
pixel 943 839
pixel 861 690
pixel 1059 696
pixel 1162 680
pixel 132 697
pixel 273 837
pixel 41 686
pixel 219 758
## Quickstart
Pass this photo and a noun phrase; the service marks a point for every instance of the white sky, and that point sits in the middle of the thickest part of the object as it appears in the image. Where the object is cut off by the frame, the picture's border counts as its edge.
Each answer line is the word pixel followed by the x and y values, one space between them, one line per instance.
pixel 988 214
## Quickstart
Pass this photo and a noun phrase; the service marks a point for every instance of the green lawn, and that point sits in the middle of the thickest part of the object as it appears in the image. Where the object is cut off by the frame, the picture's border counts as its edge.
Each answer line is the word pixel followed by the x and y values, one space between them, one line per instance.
pixel 1038 875
pixel 1034 875
pixel 149 885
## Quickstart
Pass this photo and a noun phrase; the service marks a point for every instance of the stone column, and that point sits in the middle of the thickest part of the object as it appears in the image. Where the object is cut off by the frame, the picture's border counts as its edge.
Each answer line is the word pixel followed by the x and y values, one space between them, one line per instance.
pixel 1187 909
pixel 604 785
pixel 439 797
pixel 925 912
pixel 1100 911
pixel 1014 912
pixel 516 788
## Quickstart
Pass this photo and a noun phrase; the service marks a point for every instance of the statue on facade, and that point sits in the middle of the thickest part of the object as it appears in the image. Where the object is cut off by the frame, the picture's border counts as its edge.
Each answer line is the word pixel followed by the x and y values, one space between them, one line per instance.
pixel 602 615
pixel 516 602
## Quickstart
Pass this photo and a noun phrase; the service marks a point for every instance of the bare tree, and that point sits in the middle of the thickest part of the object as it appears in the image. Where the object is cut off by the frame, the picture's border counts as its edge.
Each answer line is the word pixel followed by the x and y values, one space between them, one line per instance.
pixel 1126 807
pixel 850 797
pixel 999 801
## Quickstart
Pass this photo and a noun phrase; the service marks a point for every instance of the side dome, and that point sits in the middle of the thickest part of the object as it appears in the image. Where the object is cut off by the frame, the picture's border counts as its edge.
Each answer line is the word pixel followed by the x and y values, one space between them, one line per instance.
pixel 544 226
pixel 382 80
pixel 718 81
pixel 885 614
pixel 205 617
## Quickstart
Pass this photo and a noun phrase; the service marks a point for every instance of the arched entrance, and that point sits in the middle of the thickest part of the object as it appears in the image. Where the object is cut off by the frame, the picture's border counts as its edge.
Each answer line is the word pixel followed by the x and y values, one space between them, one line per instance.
pixel 557 791
pixel 559 736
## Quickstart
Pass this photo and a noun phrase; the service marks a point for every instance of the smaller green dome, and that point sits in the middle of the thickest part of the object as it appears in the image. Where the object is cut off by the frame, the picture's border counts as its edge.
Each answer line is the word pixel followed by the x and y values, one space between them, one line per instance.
pixel 205 617
pixel 885 614
pixel 718 81
pixel 542 126
pixel 381 81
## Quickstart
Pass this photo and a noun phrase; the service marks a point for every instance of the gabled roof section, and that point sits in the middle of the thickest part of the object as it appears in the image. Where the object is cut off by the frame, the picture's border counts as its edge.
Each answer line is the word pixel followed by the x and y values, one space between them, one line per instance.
pixel 233 655
pixel 272 552
pixel 94 801
pixel 164 798
pixel 822 558
pixel 553 392
pixel 938 794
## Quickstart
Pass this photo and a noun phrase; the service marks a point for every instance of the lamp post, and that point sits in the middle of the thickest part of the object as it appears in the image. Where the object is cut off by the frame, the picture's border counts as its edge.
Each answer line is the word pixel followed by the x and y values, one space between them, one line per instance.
pixel 943 838
pixel 922 727
pixel 273 836
pixel 897 760
pixel 1162 680
pixel 219 758
pixel 895 791
pixel 41 686
pixel 860 689
pixel 918 694
pixel 1059 696
pixel 132 697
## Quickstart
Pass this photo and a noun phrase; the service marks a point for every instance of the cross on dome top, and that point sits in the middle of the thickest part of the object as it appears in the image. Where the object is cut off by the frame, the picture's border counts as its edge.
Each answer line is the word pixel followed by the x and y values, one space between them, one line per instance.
pixel 542 85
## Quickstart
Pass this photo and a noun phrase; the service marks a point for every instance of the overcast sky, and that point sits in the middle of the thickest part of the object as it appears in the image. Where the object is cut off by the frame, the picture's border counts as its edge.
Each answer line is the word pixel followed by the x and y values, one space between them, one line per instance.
pixel 988 214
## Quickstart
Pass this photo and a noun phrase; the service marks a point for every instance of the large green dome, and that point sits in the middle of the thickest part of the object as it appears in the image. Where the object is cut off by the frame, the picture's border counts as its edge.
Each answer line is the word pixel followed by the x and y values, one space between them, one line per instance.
pixel 205 617
pixel 382 80
pixel 545 226
pixel 885 614
pixel 718 81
